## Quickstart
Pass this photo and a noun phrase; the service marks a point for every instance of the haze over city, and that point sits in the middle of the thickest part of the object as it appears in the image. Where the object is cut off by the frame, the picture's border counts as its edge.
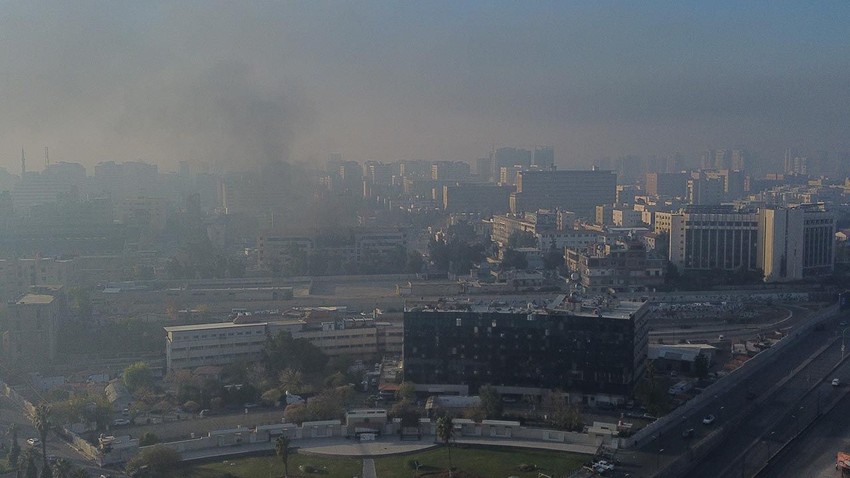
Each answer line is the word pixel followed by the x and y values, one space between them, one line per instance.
pixel 238 83
pixel 432 239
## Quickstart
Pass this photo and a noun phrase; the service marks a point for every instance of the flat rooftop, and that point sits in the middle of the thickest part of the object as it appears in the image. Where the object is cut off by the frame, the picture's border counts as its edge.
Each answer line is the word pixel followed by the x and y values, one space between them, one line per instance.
pixel 586 308
pixel 32 299
pixel 213 326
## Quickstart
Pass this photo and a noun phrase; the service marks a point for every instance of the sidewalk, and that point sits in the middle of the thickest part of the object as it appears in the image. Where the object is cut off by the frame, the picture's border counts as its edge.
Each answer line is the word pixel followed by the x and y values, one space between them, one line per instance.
pixel 386 445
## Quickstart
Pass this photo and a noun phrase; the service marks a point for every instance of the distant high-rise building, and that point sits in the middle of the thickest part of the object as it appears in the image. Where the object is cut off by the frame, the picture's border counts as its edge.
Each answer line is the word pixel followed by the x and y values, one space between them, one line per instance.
pixel 577 191
pixel 507 157
pixel 485 198
pixel 667 184
pixel 415 169
pixel 484 169
pixel 722 159
pixel 543 157
pixel 740 160
pixel 628 168
pixel 705 189
pixel 449 171
pixel 378 173
pixel 795 163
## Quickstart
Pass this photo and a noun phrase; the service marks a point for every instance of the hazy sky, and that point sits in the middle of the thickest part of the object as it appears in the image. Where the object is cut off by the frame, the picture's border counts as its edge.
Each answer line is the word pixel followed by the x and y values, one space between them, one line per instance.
pixel 241 82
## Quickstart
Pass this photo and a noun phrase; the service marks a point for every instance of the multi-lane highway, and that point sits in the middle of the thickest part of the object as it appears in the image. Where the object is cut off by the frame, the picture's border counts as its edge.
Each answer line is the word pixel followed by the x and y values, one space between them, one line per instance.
pixel 745 424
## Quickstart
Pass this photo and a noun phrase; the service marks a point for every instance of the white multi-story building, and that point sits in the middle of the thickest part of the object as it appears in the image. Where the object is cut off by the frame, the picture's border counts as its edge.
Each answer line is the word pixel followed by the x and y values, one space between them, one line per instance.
pixel 796 242
pixel 713 237
pixel 190 346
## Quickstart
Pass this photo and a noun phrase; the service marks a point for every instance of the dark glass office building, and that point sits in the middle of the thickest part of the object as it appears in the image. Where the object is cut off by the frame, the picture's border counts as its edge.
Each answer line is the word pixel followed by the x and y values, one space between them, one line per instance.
pixel 580 351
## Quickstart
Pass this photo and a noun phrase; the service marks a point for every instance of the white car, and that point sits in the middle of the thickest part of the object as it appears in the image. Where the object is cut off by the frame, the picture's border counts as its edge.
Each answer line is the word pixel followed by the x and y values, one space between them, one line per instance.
pixel 33 441
pixel 602 466
pixel 836 382
pixel 120 421
pixel 708 420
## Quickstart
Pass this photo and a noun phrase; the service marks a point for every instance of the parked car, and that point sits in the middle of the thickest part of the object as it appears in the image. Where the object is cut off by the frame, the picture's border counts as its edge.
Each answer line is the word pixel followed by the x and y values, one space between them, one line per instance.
pixel 33 441
pixel 836 382
pixel 602 467
pixel 708 420
pixel 120 422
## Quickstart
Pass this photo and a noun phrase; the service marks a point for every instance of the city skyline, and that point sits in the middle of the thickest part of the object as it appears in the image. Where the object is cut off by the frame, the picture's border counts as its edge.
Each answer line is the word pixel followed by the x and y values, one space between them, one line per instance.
pixel 239 84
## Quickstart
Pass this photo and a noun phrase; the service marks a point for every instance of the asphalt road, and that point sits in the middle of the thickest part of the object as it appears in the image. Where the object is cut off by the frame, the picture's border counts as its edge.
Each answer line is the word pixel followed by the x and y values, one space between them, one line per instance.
pixel 780 415
pixel 812 454
pixel 746 419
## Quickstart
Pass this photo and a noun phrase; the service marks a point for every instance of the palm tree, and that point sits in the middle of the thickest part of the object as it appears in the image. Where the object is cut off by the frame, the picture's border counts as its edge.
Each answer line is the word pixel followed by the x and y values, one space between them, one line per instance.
pixel 281 447
pixel 41 421
pixel 62 468
pixel 14 448
pixel 445 432
pixel 26 463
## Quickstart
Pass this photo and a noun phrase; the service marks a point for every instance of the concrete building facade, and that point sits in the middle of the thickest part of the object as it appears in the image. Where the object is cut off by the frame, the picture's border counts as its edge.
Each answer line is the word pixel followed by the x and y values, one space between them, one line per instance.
pixel 796 242
pixel 588 351
pixel 705 238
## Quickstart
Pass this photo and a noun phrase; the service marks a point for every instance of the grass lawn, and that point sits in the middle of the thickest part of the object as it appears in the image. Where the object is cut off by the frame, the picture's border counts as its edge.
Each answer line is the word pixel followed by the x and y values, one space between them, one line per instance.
pixel 483 462
pixel 272 467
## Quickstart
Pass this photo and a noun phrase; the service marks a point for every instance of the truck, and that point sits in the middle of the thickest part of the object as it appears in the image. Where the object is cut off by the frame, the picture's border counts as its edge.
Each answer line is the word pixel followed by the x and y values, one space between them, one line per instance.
pixel 842 462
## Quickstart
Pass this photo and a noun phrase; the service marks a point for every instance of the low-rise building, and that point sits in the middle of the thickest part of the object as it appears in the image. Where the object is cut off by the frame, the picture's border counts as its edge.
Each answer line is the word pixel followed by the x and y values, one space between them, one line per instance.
pixel 620 267
pixel 191 346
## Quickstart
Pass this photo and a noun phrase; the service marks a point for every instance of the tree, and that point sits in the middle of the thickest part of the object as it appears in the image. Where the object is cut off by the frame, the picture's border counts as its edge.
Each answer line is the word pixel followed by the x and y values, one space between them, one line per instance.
pixel 519 239
pixel 406 391
pixel 157 458
pixel 41 421
pixel 282 351
pixel 649 392
pixel 291 381
pixel 148 439
pixel 491 402
pixel 281 448
pixel 445 432
pixel 26 463
pixel 62 468
pixel 14 448
pixel 553 259
pixel 46 472
pixel 511 259
pixel 565 416
pixel 137 375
